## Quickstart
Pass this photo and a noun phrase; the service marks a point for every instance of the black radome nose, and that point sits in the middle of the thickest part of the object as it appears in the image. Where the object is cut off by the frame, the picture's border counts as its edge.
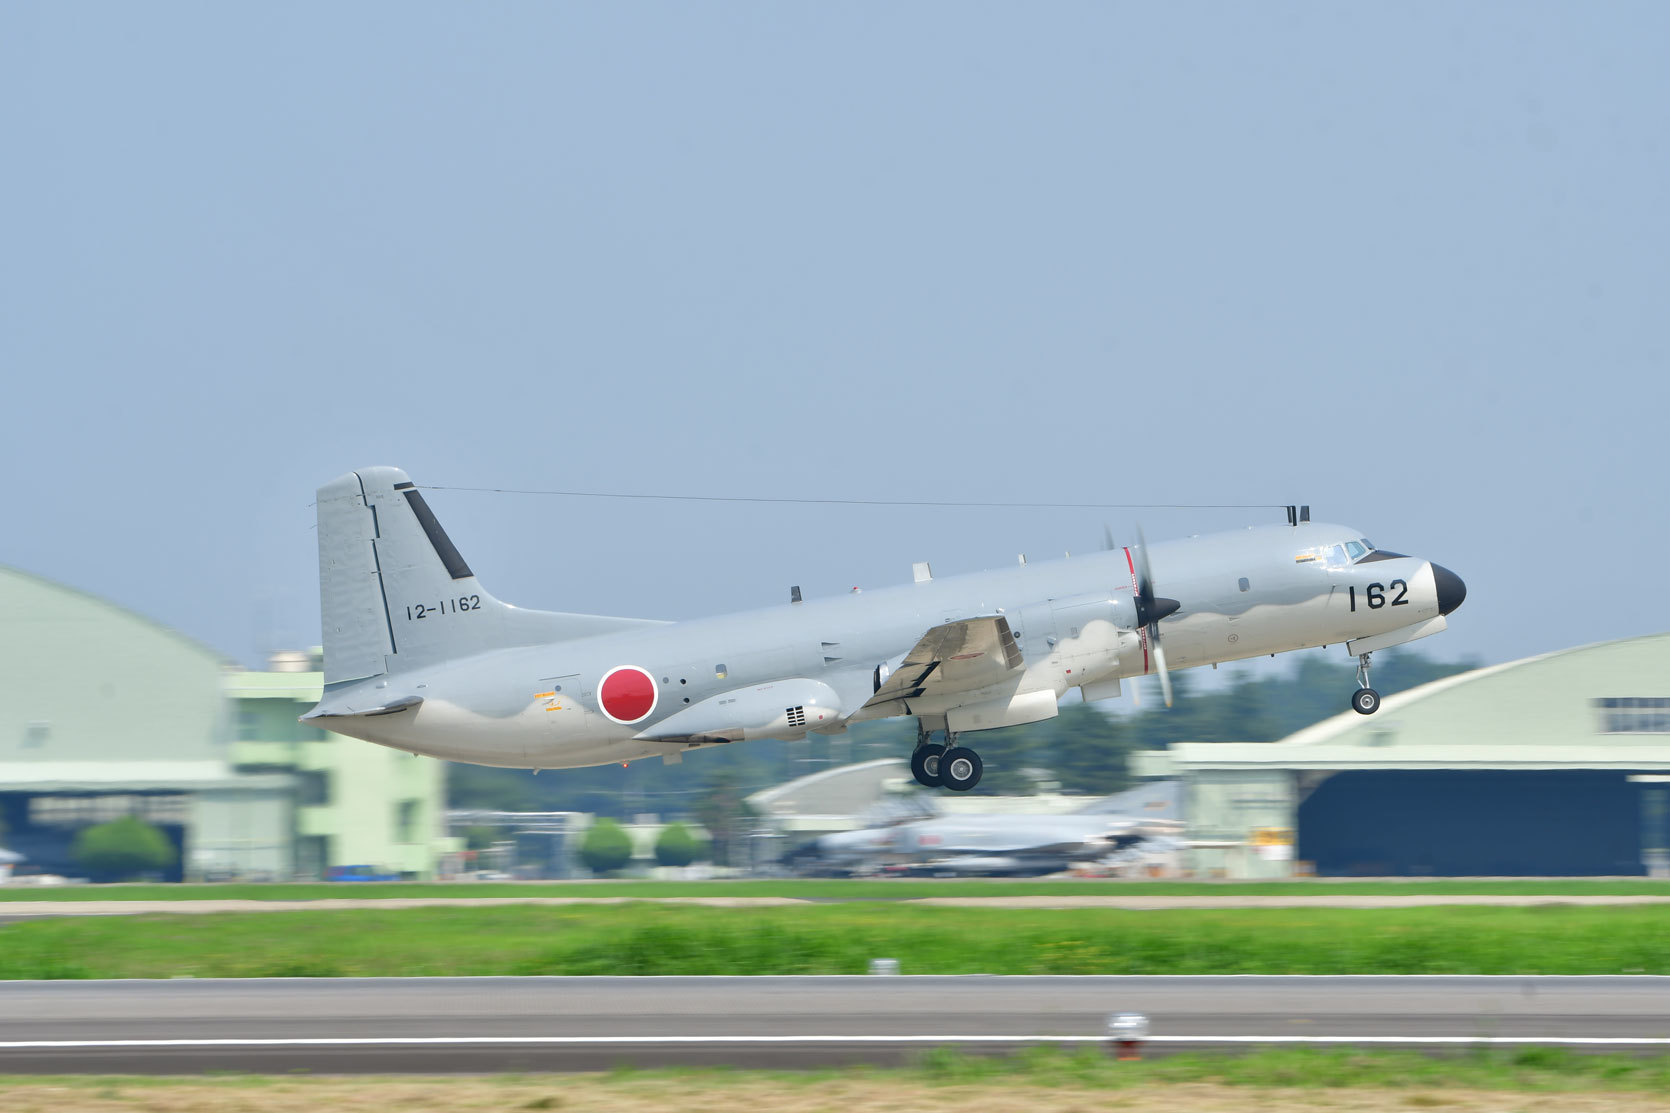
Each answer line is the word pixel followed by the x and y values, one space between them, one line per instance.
pixel 1451 591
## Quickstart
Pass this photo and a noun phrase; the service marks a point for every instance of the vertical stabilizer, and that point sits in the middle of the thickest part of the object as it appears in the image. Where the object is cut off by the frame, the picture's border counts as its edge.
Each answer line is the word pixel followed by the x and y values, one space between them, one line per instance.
pixel 395 594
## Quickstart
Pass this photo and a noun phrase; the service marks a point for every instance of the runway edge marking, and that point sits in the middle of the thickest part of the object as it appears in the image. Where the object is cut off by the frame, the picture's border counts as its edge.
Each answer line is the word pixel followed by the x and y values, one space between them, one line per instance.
pixel 420 1041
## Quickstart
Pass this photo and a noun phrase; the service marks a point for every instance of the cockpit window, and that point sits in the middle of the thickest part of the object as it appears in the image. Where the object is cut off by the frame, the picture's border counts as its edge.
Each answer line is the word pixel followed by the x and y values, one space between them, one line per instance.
pixel 1355 548
pixel 1328 556
pixel 1367 544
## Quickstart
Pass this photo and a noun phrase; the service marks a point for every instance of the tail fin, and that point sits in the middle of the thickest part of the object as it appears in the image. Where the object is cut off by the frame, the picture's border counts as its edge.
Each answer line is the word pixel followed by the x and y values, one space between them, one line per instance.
pixel 395 594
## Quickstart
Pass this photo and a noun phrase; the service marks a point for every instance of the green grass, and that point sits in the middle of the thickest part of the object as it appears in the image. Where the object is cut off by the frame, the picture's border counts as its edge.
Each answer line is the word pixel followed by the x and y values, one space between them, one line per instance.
pixel 1525 1069
pixel 835 889
pixel 841 939
pixel 1518 1069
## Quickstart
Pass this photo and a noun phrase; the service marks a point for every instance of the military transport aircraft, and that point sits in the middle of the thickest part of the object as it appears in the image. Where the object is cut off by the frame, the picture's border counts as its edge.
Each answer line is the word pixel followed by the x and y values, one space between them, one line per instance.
pixel 419 657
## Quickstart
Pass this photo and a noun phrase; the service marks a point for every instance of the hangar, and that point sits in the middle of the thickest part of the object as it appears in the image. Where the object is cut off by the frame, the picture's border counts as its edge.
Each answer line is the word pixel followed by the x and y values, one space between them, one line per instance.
pixel 105 713
pixel 1557 765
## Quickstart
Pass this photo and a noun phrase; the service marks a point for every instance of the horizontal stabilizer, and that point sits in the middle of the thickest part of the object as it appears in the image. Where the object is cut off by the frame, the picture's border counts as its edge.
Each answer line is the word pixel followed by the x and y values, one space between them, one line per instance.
pixel 406 703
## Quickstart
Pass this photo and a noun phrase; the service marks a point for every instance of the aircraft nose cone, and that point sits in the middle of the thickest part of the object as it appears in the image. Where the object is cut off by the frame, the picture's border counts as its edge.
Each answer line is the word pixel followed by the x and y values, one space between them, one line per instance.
pixel 1451 591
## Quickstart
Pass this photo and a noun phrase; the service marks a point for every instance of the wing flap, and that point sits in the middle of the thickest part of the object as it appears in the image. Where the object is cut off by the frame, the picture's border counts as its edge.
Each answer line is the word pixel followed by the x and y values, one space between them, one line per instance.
pixel 961 656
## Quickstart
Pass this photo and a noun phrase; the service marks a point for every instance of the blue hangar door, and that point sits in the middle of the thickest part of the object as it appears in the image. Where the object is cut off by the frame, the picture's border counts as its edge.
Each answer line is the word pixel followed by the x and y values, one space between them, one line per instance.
pixel 1443 823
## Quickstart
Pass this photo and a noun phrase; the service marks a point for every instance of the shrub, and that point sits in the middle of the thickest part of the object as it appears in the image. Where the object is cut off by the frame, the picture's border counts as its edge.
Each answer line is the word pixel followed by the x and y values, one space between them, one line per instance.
pixel 122 849
pixel 606 847
pixel 677 846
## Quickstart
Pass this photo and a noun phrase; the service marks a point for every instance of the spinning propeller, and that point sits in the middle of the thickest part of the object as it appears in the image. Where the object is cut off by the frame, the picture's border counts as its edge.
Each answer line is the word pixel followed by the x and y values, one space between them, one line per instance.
pixel 1150 609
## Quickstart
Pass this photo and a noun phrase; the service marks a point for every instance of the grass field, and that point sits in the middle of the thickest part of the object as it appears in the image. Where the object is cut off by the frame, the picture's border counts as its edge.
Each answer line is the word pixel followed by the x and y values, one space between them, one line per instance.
pixel 836 889
pixel 1041 1081
pixel 841 938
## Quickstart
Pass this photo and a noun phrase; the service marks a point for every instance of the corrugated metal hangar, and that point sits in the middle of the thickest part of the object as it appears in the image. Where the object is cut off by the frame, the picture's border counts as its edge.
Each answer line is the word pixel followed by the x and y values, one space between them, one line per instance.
pixel 1550 766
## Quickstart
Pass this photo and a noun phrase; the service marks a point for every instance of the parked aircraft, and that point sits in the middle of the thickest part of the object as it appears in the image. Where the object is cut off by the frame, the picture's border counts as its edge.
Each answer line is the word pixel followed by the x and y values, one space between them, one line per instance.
pixel 986 845
pixel 420 657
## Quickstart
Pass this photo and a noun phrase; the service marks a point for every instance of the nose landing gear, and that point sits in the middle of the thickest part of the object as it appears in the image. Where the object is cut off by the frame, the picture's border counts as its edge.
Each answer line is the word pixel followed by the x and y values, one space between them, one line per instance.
pixel 951 766
pixel 1365 700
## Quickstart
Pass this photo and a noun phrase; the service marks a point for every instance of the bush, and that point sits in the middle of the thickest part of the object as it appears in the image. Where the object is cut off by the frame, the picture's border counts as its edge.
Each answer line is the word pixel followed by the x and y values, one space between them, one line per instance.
pixel 480 837
pixel 606 848
pixel 677 846
pixel 122 849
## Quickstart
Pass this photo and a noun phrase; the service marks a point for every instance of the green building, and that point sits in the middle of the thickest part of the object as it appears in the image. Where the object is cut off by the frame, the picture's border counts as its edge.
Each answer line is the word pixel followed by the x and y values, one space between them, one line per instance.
pixel 356 803
pixel 105 713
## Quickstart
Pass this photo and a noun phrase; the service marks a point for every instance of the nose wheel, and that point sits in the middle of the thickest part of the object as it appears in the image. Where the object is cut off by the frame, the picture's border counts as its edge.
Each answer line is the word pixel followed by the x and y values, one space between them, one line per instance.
pixel 951 766
pixel 1365 700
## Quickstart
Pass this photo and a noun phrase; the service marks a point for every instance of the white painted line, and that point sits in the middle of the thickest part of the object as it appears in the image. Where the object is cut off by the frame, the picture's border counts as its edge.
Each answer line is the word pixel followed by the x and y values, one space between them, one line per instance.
pixel 581 1041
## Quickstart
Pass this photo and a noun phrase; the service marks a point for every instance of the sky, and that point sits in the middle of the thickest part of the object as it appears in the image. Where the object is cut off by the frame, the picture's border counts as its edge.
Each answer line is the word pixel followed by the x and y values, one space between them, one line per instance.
pixel 1407 264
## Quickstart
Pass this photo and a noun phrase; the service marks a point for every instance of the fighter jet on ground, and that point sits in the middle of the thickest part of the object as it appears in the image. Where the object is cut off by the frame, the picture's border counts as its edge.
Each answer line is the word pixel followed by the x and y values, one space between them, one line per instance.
pixel 984 845
pixel 419 657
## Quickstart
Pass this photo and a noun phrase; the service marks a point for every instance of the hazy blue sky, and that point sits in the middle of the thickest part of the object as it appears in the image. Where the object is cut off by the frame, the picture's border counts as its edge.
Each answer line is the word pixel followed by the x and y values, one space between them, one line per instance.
pixel 1407 263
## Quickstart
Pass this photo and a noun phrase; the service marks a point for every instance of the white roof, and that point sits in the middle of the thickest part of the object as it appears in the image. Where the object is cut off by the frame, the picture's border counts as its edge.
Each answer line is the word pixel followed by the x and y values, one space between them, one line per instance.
pixel 1534 713
pixel 126 776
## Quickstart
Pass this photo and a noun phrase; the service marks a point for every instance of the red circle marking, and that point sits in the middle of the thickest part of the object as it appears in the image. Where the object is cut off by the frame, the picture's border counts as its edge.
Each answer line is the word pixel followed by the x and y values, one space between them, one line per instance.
pixel 627 694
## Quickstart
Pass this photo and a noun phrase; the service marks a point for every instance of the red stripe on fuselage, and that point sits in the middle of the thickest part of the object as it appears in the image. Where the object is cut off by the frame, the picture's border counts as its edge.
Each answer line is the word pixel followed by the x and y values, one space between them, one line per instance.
pixel 1136 591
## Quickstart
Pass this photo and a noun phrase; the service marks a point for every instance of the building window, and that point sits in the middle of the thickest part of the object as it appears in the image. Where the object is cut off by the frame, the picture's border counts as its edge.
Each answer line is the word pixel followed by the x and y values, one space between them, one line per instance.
pixel 1633 714
pixel 405 821
pixel 313 788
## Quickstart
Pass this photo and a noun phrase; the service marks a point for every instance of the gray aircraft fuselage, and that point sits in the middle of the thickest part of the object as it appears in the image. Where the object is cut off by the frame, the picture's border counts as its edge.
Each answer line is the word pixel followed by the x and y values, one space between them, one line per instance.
pixel 419 657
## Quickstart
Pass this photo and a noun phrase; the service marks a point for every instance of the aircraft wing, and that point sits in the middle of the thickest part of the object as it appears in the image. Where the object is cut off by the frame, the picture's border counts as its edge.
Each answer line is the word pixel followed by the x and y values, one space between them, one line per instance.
pixel 961 656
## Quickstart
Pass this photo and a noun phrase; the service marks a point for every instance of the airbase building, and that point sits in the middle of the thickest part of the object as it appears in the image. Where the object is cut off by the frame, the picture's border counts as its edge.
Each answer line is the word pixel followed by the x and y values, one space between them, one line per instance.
pixel 105 713
pixel 1557 765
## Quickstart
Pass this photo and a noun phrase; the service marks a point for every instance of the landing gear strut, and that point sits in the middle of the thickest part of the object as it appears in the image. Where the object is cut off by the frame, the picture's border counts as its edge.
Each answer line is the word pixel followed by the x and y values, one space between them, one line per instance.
pixel 1365 700
pixel 951 766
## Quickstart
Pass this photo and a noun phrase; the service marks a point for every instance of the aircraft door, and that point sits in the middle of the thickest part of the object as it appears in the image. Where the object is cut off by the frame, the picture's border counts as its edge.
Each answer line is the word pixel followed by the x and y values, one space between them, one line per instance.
pixel 565 714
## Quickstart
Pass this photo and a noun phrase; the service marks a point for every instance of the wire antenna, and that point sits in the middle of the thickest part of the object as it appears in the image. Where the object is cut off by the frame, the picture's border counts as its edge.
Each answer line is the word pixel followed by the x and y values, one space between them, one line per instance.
pixel 867 502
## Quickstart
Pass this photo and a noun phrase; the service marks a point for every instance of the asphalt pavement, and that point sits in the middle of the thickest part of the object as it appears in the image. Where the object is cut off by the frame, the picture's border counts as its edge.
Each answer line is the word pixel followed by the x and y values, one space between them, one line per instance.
pixel 438 1025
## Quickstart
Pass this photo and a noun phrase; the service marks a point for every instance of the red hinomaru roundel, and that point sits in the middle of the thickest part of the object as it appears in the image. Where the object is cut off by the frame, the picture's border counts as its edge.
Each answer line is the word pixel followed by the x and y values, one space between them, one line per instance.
pixel 627 694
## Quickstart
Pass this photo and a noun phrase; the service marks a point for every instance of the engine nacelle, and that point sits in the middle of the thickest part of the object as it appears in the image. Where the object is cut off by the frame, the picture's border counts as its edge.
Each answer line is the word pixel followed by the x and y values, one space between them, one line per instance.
pixel 885 670
pixel 784 709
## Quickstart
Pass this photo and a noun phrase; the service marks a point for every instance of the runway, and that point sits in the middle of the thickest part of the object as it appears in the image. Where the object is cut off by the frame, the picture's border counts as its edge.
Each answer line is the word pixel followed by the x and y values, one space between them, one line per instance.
pixel 444 1025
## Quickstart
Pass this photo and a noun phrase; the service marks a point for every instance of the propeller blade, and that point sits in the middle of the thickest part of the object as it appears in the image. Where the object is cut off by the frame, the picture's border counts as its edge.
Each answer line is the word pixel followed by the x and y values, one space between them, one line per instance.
pixel 1160 665
pixel 1145 578
pixel 1150 610
pixel 1107 539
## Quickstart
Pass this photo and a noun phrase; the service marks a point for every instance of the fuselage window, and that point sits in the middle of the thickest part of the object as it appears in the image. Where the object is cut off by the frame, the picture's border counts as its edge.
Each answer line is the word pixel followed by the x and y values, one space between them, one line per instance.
pixel 1243 584
pixel 719 672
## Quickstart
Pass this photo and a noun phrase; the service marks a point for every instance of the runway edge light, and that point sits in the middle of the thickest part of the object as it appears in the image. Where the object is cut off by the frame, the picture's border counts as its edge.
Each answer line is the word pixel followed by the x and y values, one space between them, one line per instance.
pixel 1126 1031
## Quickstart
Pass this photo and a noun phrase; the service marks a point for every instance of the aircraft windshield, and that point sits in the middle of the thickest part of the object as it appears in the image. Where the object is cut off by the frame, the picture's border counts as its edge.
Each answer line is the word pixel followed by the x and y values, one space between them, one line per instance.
pixel 1325 556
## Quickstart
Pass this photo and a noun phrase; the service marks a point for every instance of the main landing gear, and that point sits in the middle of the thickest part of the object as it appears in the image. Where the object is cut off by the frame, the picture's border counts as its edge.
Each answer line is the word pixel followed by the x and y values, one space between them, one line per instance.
pixel 1365 700
pixel 951 766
